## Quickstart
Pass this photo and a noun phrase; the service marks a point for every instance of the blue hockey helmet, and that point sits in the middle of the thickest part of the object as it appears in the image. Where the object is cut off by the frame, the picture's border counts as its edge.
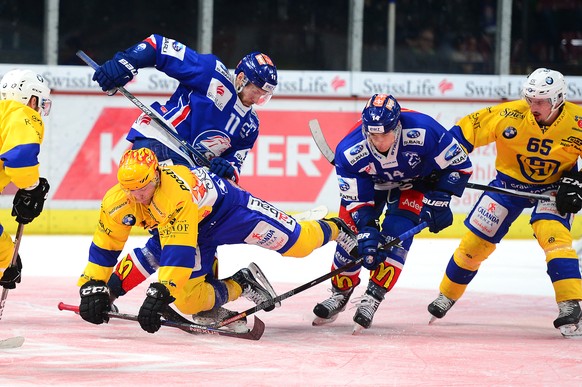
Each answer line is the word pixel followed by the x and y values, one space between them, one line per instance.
pixel 381 114
pixel 259 70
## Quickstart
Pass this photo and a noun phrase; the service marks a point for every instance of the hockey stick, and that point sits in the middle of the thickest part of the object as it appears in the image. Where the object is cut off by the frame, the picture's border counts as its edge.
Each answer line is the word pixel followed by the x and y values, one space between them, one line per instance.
pixel 329 154
pixel 413 231
pixel 12 263
pixel 195 155
pixel 184 324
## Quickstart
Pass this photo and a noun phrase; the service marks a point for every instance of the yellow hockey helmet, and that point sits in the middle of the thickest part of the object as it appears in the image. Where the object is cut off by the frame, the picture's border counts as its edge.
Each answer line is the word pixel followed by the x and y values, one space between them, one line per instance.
pixel 137 168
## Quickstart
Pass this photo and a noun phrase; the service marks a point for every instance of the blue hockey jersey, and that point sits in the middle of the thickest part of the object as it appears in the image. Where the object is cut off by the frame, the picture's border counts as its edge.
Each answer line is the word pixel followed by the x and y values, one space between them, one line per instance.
pixel 205 108
pixel 424 156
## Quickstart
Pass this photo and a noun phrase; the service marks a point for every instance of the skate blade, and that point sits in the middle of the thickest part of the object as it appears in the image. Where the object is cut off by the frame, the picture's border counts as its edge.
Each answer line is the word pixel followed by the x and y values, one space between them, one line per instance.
pixel 432 319
pixel 316 213
pixel 323 321
pixel 571 331
pixel 260 276
pixel 357 329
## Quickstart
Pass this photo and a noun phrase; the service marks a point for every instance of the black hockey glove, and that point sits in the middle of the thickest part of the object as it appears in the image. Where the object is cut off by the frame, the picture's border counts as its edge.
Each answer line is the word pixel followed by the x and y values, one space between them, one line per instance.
pixel 12 275
pixel 95 302
pixel 369 241
pixel 221 167
pixel 569 196
pixel 157 300
pixel 28 204
pixel 436 211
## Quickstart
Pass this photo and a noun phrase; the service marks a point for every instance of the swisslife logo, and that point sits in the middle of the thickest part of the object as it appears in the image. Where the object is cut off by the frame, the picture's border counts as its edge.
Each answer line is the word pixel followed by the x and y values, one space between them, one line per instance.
pixel 285 165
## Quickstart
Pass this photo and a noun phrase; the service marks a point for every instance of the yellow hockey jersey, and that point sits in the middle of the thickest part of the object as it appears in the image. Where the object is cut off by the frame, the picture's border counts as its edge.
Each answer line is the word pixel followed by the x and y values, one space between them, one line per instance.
pixel 21 133
pixel 183 198
pixel 526 152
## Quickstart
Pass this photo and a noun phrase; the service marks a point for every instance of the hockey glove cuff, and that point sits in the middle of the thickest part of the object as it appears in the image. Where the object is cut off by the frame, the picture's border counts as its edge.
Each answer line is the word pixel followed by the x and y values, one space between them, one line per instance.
pixel 28 204
pixel 221 167
pixel 436 211
pixel 369 241
pixel 157 300
pixel 569 196
pixel 12 275
pixel 95 302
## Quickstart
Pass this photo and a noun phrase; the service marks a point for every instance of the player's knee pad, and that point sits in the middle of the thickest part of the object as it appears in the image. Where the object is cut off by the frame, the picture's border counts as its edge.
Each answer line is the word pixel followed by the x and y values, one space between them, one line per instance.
pixel 472 251
pixel 555 239
pixel 387 273
pixel 131 271
pixel 196 295
pixel 313 234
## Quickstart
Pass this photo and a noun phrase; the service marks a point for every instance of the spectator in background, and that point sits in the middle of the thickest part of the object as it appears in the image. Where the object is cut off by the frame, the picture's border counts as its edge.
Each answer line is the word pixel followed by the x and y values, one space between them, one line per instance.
pixel 421 55
pixel 466 57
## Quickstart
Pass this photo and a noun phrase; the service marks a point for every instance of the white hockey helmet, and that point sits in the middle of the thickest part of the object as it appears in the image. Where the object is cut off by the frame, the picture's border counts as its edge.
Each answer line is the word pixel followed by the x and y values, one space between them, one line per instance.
pixel 546 84
pixel 21 85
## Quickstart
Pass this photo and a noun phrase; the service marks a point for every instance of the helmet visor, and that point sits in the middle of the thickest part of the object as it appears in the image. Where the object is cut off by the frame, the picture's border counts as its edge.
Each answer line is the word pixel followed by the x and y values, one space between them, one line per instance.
pixel 44 106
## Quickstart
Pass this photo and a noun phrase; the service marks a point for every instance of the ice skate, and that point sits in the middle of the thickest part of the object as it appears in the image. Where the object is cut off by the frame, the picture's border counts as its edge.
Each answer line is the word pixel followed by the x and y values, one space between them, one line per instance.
pixel 260 277
pixel 328 310
pixel 346 237
pixel 209 318
pixel 439 307
pixel 367 306
pixel 568 321
pixel 252 289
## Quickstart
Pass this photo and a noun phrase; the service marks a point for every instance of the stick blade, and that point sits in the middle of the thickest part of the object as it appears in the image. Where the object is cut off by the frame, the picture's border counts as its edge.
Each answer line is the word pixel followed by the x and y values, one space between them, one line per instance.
pixel 12 342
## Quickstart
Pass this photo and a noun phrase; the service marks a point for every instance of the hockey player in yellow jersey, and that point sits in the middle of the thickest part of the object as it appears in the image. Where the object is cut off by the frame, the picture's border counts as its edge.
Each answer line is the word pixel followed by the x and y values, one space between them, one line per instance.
pixel 538 141
pixel 24 99
pixel 185 208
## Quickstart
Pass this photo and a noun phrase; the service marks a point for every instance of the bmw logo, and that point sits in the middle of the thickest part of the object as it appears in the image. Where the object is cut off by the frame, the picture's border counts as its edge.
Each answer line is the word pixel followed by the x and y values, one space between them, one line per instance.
pixel 128 220
pixel 510 132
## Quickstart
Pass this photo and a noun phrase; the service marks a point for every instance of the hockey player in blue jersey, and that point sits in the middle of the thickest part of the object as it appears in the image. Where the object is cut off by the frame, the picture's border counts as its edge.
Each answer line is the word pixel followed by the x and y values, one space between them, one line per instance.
pixel 401 163
pixel 211 109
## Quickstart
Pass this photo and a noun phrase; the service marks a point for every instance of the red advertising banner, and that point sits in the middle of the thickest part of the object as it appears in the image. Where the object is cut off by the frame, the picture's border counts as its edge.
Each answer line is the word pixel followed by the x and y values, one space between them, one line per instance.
pixel 284 166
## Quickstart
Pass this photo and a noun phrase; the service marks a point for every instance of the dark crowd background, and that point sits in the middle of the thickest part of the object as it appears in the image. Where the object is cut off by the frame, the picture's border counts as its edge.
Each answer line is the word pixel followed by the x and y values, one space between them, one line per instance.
pixel 432 36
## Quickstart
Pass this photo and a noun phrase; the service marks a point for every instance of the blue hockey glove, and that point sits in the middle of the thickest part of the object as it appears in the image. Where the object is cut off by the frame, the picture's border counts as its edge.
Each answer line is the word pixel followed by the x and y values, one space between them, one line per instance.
pixel 569 196
pixel 369 240
pixel 115 72
pixel 157 300
pixel 436 211
pixel 221 167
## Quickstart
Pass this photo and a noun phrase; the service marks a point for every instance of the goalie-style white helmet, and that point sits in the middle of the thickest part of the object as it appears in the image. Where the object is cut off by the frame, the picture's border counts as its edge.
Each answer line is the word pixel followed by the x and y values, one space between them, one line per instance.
pixel 21 85
pixel 546 84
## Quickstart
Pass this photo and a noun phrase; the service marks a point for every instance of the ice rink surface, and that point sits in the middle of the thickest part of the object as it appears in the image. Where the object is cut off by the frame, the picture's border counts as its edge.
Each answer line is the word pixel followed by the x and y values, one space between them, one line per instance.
pixel 499 334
